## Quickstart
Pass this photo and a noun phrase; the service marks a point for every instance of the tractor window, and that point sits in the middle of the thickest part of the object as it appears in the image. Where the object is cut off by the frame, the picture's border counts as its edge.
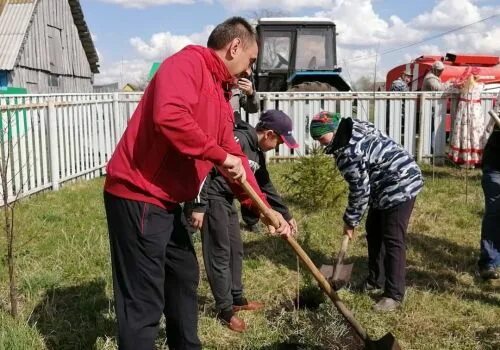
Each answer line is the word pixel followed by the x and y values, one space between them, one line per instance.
pixel 275 50
pixel 314 50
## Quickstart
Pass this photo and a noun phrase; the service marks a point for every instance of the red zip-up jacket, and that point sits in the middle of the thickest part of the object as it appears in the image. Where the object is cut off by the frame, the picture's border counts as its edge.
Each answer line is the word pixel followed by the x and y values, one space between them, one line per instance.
pixel 182 126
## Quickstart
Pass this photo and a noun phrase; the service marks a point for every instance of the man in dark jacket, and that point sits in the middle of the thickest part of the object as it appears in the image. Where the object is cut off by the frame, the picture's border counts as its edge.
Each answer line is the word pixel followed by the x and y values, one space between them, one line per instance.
pixel 215 213
pixel 182 127
pixel 382 175
pixel 489 261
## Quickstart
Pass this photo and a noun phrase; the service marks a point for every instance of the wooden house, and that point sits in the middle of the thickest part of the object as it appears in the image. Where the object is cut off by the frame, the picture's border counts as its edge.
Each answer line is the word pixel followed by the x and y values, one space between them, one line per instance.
pixel 46 47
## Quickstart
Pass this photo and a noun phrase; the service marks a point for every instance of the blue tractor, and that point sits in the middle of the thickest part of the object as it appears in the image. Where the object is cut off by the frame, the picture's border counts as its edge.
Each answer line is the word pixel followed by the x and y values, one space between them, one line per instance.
pixel 298 54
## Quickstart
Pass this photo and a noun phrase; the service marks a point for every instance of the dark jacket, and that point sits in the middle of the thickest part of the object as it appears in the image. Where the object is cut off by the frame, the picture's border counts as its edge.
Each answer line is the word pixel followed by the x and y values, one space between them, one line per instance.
pixel 182 127
pixel 380 173
pixel 491 155
pixel 216 188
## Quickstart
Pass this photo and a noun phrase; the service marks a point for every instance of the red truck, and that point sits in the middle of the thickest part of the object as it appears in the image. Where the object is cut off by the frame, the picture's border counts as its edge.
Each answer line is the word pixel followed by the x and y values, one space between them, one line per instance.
pixel 455 66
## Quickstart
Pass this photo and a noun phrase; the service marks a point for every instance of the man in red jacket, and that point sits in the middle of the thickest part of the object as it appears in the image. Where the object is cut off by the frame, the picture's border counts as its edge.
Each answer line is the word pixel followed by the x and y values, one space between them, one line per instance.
pixel 182 127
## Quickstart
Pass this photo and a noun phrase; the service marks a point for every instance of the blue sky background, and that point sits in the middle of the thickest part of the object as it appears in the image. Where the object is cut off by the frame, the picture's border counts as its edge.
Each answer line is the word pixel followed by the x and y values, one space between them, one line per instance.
pixel 131 34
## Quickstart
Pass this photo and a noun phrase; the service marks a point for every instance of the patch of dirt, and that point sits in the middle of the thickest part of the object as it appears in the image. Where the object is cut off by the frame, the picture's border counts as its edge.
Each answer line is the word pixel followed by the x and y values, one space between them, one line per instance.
pixel 311 302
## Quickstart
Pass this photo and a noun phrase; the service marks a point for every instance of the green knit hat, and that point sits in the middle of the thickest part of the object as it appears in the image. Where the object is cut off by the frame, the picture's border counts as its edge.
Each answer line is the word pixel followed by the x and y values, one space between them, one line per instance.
pixel 323 123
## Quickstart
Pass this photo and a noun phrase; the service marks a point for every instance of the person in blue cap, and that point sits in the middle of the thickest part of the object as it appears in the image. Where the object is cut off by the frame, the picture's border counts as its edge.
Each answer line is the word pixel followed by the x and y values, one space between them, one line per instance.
pixel 215 213
pixel 383 176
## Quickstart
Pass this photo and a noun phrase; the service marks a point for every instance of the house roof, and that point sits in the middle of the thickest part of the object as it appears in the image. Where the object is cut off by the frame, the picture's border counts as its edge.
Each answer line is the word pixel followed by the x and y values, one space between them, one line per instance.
pixel 154 68
pixel 15 19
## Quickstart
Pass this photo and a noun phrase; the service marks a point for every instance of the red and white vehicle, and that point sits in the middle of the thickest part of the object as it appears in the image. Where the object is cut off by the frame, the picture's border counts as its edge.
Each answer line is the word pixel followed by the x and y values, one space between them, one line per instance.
pixel 455 67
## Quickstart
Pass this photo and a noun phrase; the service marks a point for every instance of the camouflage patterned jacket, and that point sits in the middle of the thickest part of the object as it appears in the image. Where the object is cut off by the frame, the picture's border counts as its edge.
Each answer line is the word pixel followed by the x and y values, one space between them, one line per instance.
pixel 399 85
pixel 379 172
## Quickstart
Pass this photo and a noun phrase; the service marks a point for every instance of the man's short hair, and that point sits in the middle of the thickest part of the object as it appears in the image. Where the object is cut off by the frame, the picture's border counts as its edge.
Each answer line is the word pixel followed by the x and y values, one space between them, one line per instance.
pixel 227 31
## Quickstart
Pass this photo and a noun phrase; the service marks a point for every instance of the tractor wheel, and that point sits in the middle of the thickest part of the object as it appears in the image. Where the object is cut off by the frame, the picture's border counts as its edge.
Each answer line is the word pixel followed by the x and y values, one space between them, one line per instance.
pixel 312 86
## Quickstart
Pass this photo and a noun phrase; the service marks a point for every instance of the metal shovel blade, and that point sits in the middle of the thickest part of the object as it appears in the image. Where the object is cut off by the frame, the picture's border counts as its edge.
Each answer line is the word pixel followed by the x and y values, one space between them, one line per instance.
pixel 341 276
pixel 327 271
pixel 387 342
pixel 338 276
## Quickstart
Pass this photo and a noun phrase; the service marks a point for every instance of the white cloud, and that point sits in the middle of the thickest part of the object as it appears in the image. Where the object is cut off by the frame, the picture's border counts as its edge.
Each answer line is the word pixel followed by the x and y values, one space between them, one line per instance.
pixel 147 3
pixel 485 42
pixel 431 49
pixel 157 48
pixel 448 14
pixel 285 5
pixel 362 30
pixel 126 71
pixel 162 45
pixel 359 25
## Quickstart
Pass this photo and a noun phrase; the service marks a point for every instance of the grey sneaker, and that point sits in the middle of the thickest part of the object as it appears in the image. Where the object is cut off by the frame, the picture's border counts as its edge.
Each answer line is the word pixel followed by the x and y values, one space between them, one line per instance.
pixel 489 273
pixel 387 304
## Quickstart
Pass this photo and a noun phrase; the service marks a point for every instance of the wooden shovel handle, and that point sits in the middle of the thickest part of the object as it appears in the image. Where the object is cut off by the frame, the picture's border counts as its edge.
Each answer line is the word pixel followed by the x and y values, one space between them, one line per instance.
pixel 323 283
pixel 341 256
pixel 343 247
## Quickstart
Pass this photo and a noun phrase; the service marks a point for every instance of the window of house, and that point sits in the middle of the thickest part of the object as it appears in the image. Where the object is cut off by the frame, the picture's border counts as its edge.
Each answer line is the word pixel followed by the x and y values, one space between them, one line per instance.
pixel 53 80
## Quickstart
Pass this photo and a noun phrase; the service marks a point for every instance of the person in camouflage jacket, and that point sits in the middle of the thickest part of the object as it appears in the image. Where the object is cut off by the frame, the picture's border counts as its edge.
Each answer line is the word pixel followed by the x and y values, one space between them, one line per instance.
pixel 383 176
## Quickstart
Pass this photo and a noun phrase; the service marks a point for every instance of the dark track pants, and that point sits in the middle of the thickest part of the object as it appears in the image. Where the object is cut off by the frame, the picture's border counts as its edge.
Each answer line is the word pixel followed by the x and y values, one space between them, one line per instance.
pixel 223 252
pixel 386 232
pixel 155 271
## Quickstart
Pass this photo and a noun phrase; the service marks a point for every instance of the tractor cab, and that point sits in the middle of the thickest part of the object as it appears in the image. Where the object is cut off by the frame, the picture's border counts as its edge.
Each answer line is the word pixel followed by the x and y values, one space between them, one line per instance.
pixel 298 54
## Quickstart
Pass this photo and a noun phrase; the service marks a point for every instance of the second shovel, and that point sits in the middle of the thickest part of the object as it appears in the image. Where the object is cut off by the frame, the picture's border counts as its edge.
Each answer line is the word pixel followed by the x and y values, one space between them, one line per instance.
pixel 339 275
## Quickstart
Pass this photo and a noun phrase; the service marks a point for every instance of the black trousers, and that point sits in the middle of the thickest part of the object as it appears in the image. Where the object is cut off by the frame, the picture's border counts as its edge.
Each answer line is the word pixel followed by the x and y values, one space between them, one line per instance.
pixel 155 271
pixel 223 252
pixel 386 232
pixel 249 217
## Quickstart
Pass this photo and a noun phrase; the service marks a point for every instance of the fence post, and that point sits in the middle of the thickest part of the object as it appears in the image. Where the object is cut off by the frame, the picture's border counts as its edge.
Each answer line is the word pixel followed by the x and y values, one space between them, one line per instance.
pixel 53 147
pixel 116 117
pixel 421 136
pixel 267 103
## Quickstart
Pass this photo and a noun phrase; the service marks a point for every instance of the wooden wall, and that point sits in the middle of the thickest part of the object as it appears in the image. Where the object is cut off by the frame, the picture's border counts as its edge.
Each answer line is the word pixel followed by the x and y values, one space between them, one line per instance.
pixel 53 47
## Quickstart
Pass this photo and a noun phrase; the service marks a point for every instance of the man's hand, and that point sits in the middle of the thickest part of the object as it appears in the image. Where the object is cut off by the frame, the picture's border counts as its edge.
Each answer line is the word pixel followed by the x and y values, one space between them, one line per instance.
pixel 233 168
pixel 349 231
pixel 293 226
pixel 196 220
pixel 245 85
pixel 284 229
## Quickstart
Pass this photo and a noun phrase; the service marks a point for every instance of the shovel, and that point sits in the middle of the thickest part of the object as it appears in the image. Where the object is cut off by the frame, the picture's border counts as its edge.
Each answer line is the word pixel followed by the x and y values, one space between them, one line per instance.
pixel 387 342
pixel 340 274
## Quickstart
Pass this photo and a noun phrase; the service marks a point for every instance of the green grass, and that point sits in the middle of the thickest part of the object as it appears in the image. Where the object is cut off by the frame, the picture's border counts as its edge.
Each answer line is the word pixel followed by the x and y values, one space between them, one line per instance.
pixel 64 277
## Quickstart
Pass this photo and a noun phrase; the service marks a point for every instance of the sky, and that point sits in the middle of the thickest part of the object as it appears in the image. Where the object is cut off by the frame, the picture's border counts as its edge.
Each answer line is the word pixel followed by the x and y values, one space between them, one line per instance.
pixel 131 34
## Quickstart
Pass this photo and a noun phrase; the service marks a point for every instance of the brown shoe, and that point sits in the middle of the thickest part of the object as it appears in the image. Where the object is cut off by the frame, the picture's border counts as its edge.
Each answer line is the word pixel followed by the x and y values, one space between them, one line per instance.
pixel 235 324
pixel 249 306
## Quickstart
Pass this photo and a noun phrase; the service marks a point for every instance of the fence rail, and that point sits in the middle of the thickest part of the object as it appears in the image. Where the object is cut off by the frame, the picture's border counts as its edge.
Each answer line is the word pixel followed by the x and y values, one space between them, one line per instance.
pixel 47 140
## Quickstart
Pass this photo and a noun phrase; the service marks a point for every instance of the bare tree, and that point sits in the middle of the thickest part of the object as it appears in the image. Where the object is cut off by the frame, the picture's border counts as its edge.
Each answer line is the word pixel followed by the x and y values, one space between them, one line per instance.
pixel 9 199
pixel 142 82
pixel 255 15
pixel 364 83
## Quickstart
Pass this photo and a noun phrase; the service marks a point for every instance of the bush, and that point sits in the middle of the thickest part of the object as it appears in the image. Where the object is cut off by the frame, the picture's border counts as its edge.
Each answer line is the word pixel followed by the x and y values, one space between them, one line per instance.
pixel 314 181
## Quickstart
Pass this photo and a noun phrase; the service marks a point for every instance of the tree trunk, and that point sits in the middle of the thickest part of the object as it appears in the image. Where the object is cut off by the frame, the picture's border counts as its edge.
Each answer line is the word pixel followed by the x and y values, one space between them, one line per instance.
pixel 9 233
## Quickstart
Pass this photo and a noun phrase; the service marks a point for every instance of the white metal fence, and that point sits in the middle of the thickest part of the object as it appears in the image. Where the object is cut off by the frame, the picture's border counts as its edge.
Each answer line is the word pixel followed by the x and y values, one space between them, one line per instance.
pixel 416 120
pixel 47 140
